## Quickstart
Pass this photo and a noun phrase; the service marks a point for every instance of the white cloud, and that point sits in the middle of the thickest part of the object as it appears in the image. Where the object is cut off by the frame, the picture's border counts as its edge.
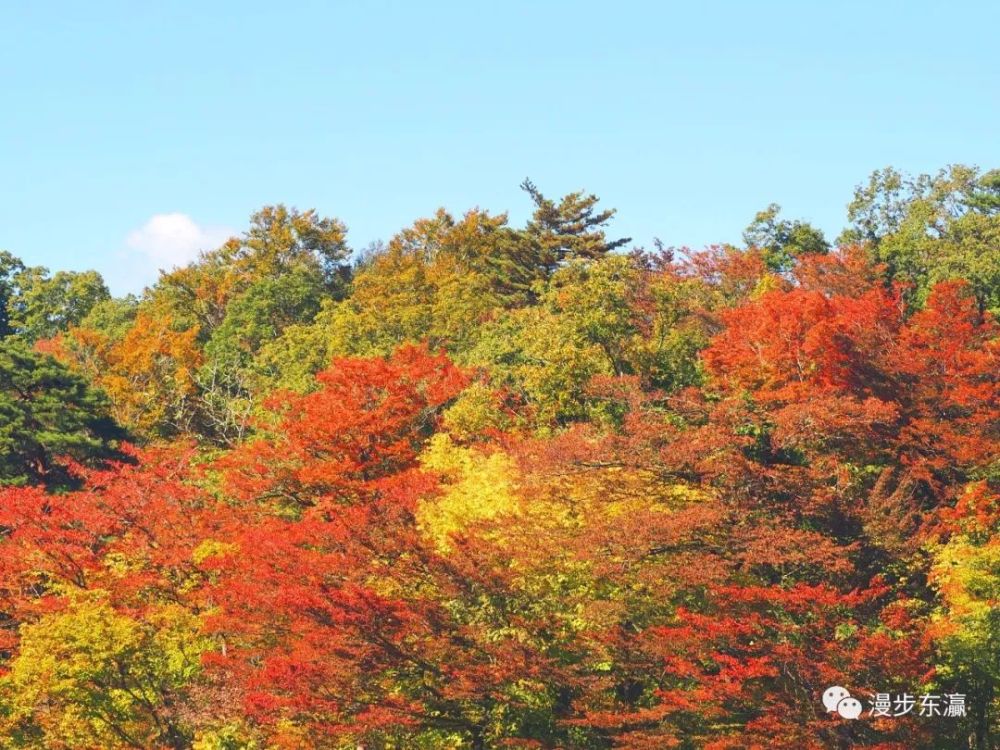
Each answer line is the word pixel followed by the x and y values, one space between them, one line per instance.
pixel 175 239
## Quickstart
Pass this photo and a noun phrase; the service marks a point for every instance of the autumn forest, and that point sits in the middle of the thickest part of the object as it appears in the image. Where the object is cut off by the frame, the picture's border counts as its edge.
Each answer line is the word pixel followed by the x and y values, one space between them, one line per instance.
pixel 497 485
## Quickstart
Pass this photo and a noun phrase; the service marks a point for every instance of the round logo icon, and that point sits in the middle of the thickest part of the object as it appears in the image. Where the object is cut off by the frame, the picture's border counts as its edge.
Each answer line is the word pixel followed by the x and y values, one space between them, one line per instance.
pixel 838 699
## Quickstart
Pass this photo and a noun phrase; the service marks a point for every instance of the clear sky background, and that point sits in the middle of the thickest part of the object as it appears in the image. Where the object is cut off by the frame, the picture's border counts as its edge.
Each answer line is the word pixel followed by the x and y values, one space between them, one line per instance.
pixel 132 133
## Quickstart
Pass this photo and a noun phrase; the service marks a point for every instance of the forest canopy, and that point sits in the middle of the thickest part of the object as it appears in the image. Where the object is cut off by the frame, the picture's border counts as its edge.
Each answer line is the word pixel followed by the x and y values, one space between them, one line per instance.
pixel 498 486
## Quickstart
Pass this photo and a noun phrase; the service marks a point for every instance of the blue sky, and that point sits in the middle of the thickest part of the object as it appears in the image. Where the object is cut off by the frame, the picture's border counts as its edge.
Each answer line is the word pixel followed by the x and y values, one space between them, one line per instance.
pixel 131 133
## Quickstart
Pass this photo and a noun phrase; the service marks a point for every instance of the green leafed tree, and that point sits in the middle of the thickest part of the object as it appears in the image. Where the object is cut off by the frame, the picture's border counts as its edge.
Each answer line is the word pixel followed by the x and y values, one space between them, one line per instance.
pixel 47 305
pixel 279 240
pixel 10 268
pixel 782 241
pixel 931 228
pixel 35 304
pixel 570 229
pixel 227 382
pixel 48 413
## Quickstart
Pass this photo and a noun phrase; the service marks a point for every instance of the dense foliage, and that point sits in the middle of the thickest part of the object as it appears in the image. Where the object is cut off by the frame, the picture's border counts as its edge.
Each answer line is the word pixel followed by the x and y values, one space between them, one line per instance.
pixel 491 486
